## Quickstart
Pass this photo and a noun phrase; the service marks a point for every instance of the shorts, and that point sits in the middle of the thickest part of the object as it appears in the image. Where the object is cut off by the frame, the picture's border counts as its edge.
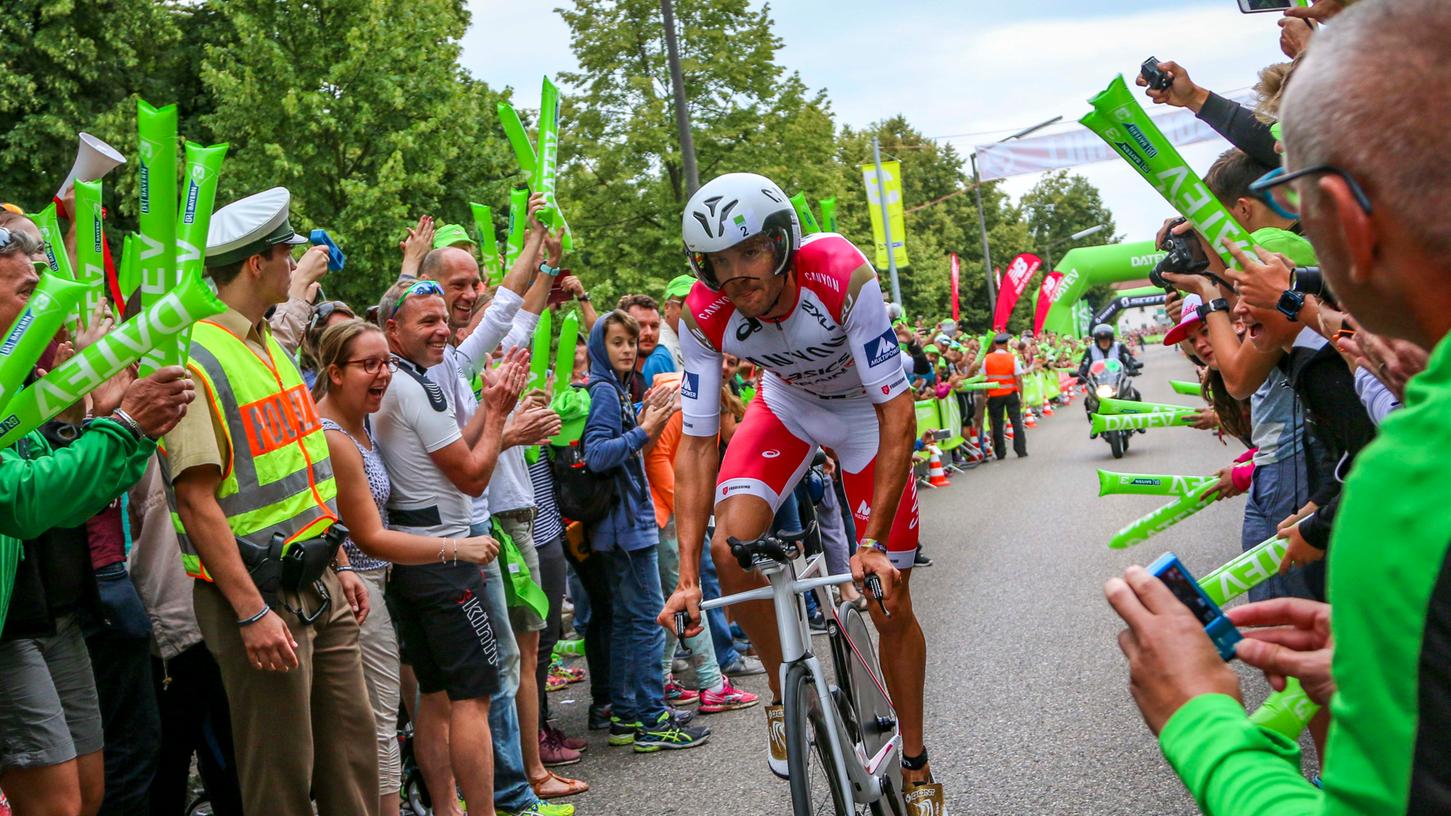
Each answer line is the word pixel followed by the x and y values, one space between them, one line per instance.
pixel 777 440
pixel 445 630
pixel 49 712
pixel 522 617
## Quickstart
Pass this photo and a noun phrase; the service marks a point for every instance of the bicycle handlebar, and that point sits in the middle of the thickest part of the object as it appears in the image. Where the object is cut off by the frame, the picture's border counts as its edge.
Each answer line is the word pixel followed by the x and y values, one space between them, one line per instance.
pixel 781 548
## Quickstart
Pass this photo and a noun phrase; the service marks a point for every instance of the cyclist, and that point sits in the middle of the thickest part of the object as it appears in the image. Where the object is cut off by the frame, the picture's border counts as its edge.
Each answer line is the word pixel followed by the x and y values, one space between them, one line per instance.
pixel 811 314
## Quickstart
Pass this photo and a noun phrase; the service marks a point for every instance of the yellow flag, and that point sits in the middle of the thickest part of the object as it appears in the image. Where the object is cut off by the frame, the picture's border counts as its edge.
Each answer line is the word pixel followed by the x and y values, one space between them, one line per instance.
pixel 892 181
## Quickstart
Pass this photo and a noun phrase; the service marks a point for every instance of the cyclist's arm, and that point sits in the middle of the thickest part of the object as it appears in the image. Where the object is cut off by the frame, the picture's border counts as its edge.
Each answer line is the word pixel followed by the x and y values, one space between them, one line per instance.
pixel 697 459
pixel 886 386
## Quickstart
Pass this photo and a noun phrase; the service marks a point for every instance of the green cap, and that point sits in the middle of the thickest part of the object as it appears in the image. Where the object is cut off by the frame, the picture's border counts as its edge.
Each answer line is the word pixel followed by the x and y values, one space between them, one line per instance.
pixel 679 286
pixel 931 351
pixel 451 235
pixel 1275 132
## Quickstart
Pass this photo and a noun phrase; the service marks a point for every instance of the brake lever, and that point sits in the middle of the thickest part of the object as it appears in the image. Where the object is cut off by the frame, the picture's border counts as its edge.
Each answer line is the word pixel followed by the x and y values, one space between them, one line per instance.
pixel 874 589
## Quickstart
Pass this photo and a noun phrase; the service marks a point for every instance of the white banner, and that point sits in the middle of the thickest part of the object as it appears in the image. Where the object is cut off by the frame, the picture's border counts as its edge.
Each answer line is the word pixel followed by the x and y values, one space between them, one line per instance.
pixel 1036 154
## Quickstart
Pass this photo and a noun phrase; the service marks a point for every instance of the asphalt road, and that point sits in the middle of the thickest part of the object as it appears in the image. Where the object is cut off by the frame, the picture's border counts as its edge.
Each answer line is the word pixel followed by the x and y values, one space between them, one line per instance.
pixel 1028 710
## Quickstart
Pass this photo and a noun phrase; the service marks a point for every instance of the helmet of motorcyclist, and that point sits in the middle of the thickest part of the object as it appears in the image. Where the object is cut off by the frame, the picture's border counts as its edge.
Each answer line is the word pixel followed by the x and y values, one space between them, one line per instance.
pixel 1102 330
pixel 733 208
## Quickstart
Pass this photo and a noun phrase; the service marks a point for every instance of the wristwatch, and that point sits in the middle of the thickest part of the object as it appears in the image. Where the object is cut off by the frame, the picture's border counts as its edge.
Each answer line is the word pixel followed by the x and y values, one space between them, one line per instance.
pixel 1216 305
pixel 583 297
pixel 1291 303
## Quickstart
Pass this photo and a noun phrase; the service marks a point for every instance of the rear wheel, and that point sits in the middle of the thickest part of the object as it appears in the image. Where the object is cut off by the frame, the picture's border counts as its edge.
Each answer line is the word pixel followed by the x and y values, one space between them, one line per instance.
pixel 814 787
pixel 1116 444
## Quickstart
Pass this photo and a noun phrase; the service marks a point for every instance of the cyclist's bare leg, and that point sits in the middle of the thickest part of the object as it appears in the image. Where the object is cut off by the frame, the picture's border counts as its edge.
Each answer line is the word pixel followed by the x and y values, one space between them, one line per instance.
pixel 903 652
pixel 747 517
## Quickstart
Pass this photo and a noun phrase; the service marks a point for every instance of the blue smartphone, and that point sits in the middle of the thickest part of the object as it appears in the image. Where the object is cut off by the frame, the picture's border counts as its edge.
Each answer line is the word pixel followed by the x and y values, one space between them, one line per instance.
pixel 1169 569
pixel 335 256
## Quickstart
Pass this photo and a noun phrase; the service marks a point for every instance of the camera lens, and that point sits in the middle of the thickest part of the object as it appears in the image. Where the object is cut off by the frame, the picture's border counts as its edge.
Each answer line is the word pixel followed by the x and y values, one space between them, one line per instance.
pixel 1307 280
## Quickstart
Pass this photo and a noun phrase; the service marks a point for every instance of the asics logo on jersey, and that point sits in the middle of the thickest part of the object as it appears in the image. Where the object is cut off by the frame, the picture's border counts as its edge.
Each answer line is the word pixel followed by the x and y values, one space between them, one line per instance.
pixel 881 349
pixel 690 385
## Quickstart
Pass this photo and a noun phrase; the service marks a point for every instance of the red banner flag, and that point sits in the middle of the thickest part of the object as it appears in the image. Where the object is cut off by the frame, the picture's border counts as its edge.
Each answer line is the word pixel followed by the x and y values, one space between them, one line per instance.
pixel 1047 296
pixel 952 271
pixel 1012 286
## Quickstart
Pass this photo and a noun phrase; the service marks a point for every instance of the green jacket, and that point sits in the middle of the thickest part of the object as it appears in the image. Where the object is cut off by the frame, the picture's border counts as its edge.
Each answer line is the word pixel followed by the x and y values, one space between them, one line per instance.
pixel 1390 586
pixel 41 489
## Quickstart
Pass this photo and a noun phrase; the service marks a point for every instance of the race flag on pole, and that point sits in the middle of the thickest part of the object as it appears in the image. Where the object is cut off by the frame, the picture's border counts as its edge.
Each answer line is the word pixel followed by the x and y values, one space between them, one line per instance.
pixel 892 181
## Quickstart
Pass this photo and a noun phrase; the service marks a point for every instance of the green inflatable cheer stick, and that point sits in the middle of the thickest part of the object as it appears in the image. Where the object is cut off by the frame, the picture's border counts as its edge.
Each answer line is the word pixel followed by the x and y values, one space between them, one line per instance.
pixel 1148 484
pixel 128 274
pixel 518 221
pixel 161 323
pixel 548 154
pixel 1186 388
pixel 803 213
pixel 1158 521
pixel 564 356
pixel 978 386
pixel 1287 711
pixel 488 241
pixel 572 405
pixel 156 131
pixel 89 240
pixel 54 243
pixel 1108 405
pixel 518 139
pixel 828 214
pixel 1119 120
pixel 1102 423
pixel 203 168
pixel 52 302
pixel 1245 571
pixel 539 352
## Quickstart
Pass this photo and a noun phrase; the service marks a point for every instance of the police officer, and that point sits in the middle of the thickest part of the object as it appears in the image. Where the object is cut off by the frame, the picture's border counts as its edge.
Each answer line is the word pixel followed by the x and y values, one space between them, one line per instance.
pixel 255 504
pixel 1003 368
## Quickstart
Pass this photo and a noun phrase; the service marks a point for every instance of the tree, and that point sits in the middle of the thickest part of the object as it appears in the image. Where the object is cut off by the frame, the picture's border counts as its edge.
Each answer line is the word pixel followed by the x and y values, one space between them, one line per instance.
pixel 1060 204
pixel 360 108
pixel 621 180
pixel 72 66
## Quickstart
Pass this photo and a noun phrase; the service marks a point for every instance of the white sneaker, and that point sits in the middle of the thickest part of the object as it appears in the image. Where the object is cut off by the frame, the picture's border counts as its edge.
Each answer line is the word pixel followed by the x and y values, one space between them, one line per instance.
pixel 776 736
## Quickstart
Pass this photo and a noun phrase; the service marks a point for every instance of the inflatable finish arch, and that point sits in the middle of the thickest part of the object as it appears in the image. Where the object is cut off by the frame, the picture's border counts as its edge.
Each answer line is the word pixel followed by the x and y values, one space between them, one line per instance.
pixel 1086 266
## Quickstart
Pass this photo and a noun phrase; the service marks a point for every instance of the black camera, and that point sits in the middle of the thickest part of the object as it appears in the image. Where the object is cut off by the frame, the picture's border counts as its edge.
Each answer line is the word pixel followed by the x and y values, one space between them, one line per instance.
pixel 1186 257
pixel 1307 280
pixel 1157 79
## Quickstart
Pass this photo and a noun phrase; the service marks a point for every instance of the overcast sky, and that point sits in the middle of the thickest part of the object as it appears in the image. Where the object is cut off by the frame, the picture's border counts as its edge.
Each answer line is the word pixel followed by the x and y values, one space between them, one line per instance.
pixel 980 67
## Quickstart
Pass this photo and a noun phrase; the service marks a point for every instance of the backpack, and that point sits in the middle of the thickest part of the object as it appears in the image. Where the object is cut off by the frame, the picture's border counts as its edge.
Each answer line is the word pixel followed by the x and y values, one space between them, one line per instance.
pixel 584 495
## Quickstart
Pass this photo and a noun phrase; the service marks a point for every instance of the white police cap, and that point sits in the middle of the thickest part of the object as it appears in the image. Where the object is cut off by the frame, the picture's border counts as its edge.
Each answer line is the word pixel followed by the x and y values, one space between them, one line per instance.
pixel 249 226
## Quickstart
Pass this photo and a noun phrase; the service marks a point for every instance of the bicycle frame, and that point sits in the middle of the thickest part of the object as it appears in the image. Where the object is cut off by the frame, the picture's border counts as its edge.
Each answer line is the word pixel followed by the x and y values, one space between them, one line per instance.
pixel 785 590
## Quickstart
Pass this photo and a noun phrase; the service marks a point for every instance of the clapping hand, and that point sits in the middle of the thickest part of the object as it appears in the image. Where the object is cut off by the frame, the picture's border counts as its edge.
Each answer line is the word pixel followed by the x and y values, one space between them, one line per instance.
pixel 504 383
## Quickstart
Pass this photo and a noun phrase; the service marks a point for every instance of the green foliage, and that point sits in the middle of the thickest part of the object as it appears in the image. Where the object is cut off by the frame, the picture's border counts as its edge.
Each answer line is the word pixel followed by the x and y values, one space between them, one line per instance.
pixel 1060 204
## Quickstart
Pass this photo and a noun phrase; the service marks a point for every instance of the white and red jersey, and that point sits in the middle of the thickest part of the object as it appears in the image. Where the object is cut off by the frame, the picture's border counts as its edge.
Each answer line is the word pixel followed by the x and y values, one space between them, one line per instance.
pixel 836 344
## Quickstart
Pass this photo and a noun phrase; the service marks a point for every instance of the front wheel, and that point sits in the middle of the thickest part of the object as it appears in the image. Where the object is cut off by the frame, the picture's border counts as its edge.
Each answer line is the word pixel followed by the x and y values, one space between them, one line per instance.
pixel 815 789
pixel 1116 444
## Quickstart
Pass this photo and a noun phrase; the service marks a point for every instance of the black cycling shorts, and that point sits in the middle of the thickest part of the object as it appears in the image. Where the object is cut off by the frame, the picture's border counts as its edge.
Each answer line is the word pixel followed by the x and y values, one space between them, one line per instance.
pixel 444 629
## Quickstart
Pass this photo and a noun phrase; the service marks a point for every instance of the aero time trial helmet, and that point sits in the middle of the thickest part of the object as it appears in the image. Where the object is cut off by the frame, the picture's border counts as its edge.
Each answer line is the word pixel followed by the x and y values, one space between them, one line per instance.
pixel 733 208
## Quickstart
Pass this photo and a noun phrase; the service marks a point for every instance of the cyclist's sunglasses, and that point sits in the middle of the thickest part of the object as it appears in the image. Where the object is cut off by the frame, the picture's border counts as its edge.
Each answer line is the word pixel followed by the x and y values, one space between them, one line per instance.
pixel 1275 190
pixel 324 311
pixel 424 288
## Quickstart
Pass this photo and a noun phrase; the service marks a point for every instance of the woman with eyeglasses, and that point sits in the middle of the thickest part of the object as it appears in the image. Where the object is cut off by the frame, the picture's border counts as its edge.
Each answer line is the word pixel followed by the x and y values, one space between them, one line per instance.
pixel 354 370
pixel 325 315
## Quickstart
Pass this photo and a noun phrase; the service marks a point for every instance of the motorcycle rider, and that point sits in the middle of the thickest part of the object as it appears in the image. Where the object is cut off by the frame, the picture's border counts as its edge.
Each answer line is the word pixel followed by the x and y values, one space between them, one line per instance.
pixel 1106 347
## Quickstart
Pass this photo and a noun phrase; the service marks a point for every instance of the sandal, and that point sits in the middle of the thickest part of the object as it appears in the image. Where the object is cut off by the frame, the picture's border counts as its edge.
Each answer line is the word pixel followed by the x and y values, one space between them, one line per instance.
pixel 554 786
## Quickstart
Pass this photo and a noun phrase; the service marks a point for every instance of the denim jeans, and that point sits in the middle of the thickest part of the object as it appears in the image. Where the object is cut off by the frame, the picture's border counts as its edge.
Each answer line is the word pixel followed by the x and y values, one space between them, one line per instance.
pixel 511 785
pixel 1278 490
pixel 120 651
pixel 702 647
pixel 637 686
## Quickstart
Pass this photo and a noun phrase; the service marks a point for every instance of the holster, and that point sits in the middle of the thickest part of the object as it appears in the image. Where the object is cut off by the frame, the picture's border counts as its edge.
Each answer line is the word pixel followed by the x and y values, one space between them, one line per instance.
pixel 277 567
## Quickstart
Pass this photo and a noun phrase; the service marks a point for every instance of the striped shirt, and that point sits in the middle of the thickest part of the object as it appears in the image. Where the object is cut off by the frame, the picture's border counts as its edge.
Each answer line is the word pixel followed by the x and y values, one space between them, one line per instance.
pixel 547 525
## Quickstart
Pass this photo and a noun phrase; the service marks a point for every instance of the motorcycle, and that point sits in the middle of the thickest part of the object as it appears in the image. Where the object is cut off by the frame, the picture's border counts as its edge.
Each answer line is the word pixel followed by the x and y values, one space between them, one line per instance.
pixel 1109 379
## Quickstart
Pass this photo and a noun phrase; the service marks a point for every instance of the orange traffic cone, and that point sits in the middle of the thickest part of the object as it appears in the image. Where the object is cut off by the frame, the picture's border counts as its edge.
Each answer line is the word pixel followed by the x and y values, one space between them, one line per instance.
pixel 1047 409
pixel 1030 421
pixel 936 476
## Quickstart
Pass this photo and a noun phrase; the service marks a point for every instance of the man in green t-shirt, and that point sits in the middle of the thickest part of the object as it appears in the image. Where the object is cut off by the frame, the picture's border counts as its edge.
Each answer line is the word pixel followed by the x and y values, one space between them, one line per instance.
pixel 1380 655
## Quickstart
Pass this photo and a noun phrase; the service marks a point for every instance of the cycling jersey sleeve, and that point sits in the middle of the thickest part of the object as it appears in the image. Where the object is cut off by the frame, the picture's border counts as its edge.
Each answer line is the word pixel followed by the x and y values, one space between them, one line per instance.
pixel 874 344
pixel 699 384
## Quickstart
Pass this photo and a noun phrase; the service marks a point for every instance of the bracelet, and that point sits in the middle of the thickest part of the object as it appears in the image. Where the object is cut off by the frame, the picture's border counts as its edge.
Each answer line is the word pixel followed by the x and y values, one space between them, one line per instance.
pixel 442 543
pixel 256 617
pixel 129 423
pixel 344 568
pixel 455 550
pixel 551 271
pixel 872 544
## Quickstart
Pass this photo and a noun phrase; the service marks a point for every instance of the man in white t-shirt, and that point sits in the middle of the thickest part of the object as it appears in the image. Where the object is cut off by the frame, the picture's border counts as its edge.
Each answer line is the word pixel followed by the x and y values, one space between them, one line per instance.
pixel 435 467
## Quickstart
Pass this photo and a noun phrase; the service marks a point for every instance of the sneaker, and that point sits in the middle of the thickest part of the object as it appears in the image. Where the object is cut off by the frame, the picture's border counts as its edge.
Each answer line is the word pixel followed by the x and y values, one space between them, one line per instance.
pixel 573 743
pixel 743 666
pixel 920 560
pixel 552 750
pixel 678 695
pixel 599 717
pixel 729 698
pixel 776 738
pixel 683 716
pixel 668 734
pixel 540 809
pixel 816 622
pixel 925 798
pixel 623 733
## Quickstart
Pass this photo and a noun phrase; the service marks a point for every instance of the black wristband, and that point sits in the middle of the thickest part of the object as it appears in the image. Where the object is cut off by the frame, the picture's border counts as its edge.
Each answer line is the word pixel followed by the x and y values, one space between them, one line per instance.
pixel 1215 305
pixel 583 298
pixel 259 616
